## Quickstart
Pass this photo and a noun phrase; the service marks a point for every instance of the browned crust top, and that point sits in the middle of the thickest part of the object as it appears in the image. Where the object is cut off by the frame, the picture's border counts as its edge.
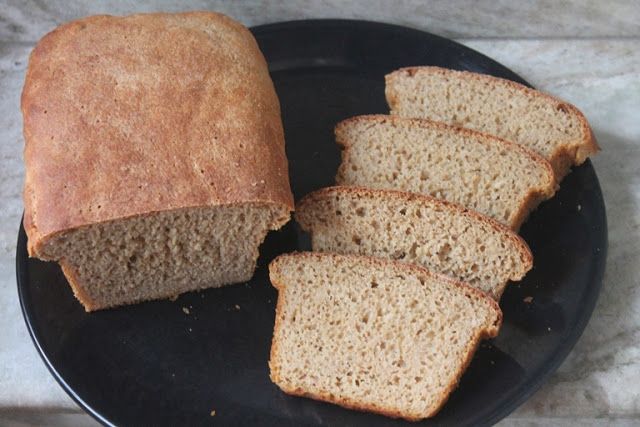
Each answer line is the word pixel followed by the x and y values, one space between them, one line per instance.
pixel 490 331
pixel 131 115
pixel 577 152
pixel 455 209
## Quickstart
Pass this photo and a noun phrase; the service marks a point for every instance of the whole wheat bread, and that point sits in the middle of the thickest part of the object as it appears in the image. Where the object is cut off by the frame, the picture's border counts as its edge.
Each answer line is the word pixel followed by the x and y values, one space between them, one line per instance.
pixel 154 153
pixel 435 234
pixel 374 334
pixel 553 128
pixel 494 177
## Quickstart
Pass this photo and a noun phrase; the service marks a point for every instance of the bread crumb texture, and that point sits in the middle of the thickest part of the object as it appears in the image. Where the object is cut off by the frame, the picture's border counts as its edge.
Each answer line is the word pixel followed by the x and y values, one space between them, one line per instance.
pixel 551 127
pixel 373 334
pixel 494 177
pixel 161 255
pixel 417 229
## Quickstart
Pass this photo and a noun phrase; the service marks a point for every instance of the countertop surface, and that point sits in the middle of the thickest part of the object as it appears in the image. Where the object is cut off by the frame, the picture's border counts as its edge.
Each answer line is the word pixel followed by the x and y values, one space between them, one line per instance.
pixel 585 52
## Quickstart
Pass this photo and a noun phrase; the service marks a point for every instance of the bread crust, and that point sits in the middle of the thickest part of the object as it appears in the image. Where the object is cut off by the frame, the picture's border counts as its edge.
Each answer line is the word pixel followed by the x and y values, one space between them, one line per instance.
pixel 518 242
pixel 492 327
pixel 126 116
pixel 78 290
pixel 561 159
pixel 532 199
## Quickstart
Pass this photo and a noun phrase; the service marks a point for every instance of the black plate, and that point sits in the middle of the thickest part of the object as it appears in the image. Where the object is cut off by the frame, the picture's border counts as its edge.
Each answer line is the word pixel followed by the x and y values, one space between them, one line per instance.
pixel 155 364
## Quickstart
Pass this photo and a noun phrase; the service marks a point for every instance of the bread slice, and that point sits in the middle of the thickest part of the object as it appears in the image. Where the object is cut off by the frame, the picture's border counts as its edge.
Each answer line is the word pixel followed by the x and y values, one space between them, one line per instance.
pixel 154 153
pixel 549 126
pixel 373 334
pixel 435 234
pixel 494 177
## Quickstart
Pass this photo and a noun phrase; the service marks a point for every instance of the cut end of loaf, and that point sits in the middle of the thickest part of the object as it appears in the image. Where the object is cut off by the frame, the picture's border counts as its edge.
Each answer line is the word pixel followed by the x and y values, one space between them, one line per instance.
pixel 164 254
pixel 372 334
pixel 435 234
pixel 495 177
pixel 553 128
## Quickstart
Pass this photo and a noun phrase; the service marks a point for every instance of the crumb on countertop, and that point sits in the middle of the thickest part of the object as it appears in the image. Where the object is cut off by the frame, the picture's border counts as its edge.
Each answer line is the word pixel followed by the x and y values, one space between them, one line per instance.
pixel 185 310
pixel 579 207
pixel 213 413
pixel 528 299
pixel 237 307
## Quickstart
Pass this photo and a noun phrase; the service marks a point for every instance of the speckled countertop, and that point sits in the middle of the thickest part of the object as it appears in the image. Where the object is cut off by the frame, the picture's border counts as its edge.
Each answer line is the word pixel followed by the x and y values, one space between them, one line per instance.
pixel 587 52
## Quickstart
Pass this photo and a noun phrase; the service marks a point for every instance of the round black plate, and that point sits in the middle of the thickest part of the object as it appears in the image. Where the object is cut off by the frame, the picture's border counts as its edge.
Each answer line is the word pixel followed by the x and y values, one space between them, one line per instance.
pixel 154 364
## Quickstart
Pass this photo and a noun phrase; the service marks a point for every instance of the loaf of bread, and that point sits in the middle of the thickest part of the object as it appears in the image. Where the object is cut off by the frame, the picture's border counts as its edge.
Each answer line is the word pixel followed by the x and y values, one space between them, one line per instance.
pixel 374 334
pixel 154 153
pixel 494 177
pixel 551 127
pixel 435 234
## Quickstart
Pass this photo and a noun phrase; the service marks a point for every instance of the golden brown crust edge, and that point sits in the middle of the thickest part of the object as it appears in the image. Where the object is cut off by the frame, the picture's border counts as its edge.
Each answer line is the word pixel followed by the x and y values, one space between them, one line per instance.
pixel 41 194
pixel 563 157
pixel 78 290
pixel 517 241
pixel 566 157
pixel 491 330
pixel 531 200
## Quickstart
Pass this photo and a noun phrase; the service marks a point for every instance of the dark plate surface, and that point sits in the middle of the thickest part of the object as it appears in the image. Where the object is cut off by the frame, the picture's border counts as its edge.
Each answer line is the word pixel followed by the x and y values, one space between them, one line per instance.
pixel 153 364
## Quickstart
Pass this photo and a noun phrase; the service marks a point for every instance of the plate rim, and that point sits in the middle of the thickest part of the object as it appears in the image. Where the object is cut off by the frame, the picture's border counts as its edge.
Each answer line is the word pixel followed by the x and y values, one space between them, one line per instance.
pixel 25 302
pixel 513 402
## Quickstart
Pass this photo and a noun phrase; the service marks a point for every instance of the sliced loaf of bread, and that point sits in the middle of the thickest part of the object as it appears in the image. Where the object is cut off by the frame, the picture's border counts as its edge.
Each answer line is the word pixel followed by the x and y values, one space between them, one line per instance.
pixel 494 177
pixel 154 155
pixel 553 128
pixel 441 236
pixel 373 334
